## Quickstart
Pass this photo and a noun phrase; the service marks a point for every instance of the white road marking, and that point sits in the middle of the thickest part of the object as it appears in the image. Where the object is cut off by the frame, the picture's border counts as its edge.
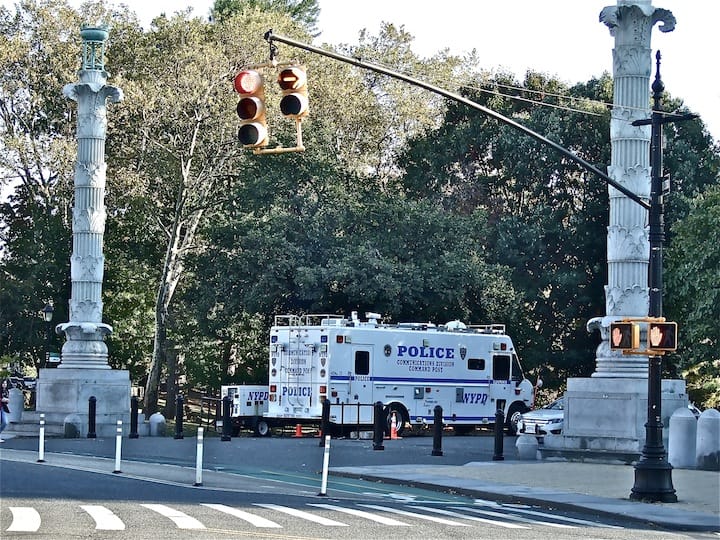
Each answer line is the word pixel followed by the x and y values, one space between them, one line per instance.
pixel 473 518
pixel 360 513
pixel 247 516
pixel 104 518
pixel 183 521
pixel 302 515
pixel 25 519
pixel 435 519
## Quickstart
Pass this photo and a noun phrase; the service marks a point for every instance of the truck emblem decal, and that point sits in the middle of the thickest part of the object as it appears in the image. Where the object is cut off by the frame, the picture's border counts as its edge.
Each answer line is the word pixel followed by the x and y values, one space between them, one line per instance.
pixel 323 360
pixel 463 352
pixel 273 360
pixel 387 350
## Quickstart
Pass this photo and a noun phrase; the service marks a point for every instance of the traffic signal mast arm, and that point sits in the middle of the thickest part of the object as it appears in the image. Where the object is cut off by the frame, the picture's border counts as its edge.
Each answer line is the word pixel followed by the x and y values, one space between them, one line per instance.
pixel 270 37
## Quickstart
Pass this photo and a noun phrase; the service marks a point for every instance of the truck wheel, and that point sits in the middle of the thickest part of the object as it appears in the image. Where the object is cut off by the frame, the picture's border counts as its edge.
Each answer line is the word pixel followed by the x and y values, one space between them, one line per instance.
pixel 513 417
pixel 261 428
pixel 401 418
pixel 234 431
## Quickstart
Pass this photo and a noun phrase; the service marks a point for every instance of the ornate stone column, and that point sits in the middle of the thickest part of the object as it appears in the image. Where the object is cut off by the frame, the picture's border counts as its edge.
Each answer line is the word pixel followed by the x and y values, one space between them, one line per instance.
pixel 63 394
pixel 628 246
pixel 85 333
pixel 605 415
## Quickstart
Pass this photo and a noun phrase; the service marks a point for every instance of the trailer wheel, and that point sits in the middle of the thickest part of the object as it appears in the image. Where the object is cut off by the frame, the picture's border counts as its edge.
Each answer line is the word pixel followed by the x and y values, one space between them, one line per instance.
pixel 260 427
pixel 401 418
pixel 513 417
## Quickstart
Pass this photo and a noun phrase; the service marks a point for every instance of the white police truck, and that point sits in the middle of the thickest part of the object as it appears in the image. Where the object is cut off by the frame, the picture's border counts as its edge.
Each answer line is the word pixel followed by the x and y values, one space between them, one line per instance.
pixel 471 371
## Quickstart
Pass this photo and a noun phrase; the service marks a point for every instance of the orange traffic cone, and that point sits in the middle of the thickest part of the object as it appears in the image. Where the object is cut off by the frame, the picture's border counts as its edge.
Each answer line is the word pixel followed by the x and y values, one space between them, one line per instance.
pixel 298 431
pixel 393 427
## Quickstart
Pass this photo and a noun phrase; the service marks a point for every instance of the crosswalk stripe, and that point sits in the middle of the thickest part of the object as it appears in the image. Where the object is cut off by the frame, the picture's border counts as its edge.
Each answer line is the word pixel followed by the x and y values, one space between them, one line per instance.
pixel 513 517
pixel 258 521
pixel 435 519
pixel 360 513
pixel 564 518
pixel 183 521
pixel 25 519
pixel 473 518
pixel 302 515
pixel 105 520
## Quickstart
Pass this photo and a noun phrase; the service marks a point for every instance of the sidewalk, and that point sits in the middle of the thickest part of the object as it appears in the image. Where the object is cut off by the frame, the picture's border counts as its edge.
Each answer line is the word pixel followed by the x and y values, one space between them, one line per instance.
pixel 594 488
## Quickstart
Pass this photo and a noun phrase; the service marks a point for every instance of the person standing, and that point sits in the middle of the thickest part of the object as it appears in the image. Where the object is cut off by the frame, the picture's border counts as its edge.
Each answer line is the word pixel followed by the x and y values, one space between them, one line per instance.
pixel 4 410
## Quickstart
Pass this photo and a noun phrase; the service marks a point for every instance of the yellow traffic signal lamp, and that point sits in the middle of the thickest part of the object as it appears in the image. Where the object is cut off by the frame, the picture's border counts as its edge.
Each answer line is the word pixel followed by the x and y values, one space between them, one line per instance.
pixel 662 336
pixel 624 335
pixel 251 108
pixel 293 83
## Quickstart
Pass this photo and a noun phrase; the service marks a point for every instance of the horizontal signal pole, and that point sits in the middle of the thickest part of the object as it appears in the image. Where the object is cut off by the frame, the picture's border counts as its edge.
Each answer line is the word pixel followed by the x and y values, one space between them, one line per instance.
pixel 270 37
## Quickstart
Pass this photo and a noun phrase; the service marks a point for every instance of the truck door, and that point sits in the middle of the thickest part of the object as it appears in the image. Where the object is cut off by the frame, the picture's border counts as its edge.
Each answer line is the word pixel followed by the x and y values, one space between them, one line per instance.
pixel 360 385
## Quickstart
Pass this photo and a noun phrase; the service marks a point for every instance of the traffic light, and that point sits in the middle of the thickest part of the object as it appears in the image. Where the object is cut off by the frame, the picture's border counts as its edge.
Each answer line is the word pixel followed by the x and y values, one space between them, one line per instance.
pixel 293 83
pixel 251 108
pixel 662 336
pixel 624 335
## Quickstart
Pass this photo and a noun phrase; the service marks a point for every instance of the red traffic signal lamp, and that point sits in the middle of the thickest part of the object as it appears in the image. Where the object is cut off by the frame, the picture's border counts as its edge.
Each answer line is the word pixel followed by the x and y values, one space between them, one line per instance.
pixel 251 108
pixel 662 336
pixel 624 335
pixel 293 83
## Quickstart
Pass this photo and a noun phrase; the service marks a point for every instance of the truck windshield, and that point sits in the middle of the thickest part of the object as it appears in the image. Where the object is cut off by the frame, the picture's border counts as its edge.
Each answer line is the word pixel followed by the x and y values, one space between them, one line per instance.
pixel 517 373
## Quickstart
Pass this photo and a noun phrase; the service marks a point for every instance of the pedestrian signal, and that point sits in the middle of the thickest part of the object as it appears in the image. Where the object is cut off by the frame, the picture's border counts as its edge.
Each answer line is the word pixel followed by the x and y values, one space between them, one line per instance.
pixel 624 335
pixel 662 336
pixel 293 83
pixel 251 108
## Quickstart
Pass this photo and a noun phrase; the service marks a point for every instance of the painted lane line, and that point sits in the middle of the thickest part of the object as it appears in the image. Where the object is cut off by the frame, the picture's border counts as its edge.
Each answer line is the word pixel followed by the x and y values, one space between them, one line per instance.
pixel 435 519
pixel 302 515
pixel 360 513
pixel 513 517
pixel 104 518
pixel 25 519
pixel 472 518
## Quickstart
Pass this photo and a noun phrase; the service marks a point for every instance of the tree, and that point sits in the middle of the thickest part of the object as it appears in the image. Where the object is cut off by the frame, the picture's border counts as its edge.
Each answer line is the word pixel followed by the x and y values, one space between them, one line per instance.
pixel 304 12
pixel 693 294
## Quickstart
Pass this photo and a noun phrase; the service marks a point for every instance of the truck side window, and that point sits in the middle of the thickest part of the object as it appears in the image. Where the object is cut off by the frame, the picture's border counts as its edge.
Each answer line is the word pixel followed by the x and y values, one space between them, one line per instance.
pixel 362 362
pixel 477 364
pixel 517 373
pixel 501 368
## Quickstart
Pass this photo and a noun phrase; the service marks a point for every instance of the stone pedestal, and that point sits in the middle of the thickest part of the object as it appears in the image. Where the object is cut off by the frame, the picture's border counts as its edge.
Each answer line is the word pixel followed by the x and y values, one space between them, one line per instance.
pixel 605 418
pixel 61 392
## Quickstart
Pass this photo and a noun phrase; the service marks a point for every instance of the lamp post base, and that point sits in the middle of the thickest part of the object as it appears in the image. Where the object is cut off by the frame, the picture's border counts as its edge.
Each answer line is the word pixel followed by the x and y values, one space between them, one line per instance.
pixel 653 482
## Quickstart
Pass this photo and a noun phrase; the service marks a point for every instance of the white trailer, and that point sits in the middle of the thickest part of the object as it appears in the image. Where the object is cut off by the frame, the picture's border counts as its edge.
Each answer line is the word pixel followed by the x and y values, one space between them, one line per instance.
pixel 249 405
pixel 471 371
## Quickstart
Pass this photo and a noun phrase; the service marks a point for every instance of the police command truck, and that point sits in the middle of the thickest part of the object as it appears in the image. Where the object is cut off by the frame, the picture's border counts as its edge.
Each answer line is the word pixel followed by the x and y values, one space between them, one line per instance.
pixel 471 371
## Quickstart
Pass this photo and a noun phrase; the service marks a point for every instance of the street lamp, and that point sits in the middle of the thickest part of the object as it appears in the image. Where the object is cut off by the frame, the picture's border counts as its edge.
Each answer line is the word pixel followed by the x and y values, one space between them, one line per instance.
pixel 47 314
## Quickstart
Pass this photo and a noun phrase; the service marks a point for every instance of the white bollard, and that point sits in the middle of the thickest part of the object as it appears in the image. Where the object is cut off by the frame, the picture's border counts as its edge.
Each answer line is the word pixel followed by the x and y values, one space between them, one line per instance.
pixel 527 446
pixel 199 458
pixel 708 441
pixel 681 439
pixel 41 440
pixel 326 463
pixel 118 447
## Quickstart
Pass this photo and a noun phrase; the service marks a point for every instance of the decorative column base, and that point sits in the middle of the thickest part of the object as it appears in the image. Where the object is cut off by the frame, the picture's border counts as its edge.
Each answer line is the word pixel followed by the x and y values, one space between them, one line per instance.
pixel 85 347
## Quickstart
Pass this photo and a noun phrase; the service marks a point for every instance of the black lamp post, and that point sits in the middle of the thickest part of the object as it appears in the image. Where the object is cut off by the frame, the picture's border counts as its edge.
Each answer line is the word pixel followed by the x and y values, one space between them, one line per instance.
pixel 653 473
pixel 47 313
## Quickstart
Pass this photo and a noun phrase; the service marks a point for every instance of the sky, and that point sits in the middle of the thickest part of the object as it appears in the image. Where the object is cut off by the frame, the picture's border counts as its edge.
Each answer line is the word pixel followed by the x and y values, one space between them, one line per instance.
pixel 563 38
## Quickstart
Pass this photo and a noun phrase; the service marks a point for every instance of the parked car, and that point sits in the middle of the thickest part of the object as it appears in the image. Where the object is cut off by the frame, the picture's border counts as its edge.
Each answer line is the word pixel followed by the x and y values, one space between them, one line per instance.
pixel 540 422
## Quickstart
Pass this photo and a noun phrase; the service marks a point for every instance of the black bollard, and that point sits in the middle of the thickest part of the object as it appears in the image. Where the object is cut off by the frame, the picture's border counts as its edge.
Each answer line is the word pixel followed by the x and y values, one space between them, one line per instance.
pixel 133 418
pixel 499 434
pixel 179 402
pixel 437 432
pixel 227 403
pixel 379 428
pixel 92 408
pixel 325 421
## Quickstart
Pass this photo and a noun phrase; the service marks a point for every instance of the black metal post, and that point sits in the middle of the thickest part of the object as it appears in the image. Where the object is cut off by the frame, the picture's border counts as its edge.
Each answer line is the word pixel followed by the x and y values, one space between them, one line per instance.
pixel 179 402
pixel 133 418
pixel 499 435
pixel 325 421
pixel 227 403
pixel 653 473
pixel 437 432
pixel 379 428
pixel 92 408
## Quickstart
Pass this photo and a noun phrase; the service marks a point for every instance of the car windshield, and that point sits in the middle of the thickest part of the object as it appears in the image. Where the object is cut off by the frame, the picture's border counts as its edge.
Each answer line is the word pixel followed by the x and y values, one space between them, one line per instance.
pixel 557 405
